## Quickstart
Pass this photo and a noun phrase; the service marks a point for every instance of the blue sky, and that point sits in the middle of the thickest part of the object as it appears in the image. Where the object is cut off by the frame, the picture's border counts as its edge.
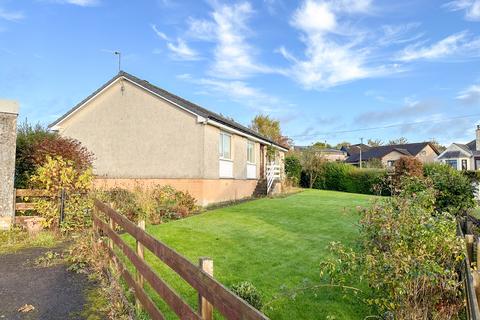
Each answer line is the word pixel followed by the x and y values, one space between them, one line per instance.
pixel 326 69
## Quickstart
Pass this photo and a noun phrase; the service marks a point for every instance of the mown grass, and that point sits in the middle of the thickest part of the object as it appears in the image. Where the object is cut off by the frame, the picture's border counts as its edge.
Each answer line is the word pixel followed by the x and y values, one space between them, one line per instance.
pixel 276 244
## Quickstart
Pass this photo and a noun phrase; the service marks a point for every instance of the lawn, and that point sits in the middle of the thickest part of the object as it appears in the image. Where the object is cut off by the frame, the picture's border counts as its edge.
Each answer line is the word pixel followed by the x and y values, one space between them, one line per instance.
pixel 273 243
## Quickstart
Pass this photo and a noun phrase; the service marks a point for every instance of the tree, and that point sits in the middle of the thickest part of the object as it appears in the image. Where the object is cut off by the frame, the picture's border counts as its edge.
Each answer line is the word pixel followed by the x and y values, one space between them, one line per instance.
pixel 437 145
pixel 401 140
pixel 322 145
pixel 375 142
pixel 342 144
pixel 312 163
pixel 270 128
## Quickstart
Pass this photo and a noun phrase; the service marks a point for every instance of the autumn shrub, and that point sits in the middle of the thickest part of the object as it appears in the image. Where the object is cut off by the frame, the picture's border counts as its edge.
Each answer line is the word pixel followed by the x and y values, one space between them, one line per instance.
pixel 455 192
pixel 27 137
pixel 36 142
pixel 58 174
pixel 157 204
pixel 406 258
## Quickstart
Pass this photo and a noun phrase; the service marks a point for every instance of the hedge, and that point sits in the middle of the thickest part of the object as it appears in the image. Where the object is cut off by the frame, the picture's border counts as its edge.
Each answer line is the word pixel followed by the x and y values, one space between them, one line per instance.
pixel 344 177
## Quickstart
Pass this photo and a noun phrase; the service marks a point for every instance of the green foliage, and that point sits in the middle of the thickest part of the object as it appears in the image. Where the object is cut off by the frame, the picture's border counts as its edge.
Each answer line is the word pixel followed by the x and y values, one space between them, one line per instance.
pixel 157 205
pixel 248 292
pixel 455 193
pixel 57 174
pixel 27 137
pixel 293 169
pixel 312 163
pixel 373 163
pixel 344 177
pixel 407 256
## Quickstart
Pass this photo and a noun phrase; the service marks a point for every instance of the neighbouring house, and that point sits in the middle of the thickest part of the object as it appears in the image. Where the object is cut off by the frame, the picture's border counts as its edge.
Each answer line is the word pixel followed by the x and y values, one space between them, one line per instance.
pixel 142 135
pixel 426 152
pixel 463 156
pixel 330 154
pixel 355 148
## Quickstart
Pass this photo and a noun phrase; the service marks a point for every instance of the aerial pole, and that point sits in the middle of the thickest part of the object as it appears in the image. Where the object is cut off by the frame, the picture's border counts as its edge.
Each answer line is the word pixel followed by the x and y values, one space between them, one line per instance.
pixel 119 54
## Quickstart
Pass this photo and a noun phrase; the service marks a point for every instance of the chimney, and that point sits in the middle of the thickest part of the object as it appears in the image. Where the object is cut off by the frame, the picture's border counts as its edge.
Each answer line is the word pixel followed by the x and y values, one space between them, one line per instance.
pixel 478 138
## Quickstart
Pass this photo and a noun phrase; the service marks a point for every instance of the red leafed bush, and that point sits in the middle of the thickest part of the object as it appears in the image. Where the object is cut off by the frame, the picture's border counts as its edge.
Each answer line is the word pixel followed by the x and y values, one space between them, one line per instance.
pixel 68 149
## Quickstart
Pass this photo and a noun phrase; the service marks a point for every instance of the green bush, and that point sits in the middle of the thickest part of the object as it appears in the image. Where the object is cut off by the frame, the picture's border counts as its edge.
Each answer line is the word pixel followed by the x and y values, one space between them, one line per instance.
pixel 249 293
pixel 406 256
pixel 344 177
pixel 455 193
pixel 124 201
pixel 293 169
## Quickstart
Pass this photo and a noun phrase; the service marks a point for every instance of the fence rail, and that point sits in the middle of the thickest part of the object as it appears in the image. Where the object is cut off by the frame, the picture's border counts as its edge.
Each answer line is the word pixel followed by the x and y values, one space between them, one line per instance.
pixel 21 193
pixel 211 292
pixel 470 277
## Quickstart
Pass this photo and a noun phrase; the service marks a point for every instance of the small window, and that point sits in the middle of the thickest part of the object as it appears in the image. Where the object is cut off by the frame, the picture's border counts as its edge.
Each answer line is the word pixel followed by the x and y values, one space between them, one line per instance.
pixel 250 151
pixel 225 146
pixel 390 163
pixel 464 164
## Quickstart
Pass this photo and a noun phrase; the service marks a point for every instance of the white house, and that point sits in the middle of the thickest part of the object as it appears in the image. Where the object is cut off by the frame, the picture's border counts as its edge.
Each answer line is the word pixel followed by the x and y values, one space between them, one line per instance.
pixel 463 156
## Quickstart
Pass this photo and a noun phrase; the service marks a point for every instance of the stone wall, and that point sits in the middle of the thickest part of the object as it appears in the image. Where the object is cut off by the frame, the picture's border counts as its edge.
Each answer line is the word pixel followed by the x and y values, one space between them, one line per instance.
pixel 8 135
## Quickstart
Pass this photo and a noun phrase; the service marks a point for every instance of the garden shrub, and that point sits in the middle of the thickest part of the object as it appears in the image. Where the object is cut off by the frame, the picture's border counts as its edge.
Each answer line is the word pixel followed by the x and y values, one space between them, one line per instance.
pixel 157 204
pixel 406 259
pixel 344 177
pixel 293 169
pixel 408 166
pixel 455 191
pixel 248 292
pixel 123 200
pixel 53 176
pixel 35 143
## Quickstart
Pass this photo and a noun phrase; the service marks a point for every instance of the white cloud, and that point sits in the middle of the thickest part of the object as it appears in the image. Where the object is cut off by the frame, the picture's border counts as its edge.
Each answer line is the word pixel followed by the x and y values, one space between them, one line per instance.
pixel 234 57
pixel 243 93
pixel 399 34
pixel 81 3
pixel 460 44
pixel 333 53
pixel 471 8
pixel 160 34
pixel 470 95
pixel 11 15
pixel 182 51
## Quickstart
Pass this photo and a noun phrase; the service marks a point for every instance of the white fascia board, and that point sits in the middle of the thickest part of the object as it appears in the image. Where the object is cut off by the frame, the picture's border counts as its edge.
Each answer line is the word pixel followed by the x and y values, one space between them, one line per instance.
pixel 243 134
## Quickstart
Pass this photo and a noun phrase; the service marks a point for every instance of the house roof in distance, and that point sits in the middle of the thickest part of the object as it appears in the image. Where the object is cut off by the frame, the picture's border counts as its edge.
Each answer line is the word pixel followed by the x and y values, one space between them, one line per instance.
pixel 355 148
pixel 192 107
pixel 324 150
pixel 408 149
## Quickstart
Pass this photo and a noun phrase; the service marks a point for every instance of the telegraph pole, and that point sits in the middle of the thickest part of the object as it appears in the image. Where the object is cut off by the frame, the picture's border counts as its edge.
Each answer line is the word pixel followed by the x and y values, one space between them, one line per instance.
pixel 361 142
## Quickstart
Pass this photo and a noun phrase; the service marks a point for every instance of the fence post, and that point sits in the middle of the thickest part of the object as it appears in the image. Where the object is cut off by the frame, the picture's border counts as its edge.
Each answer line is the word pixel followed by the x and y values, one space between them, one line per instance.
pixel 469 242
pixel 62 207
pixel 205 309
pixel 140 252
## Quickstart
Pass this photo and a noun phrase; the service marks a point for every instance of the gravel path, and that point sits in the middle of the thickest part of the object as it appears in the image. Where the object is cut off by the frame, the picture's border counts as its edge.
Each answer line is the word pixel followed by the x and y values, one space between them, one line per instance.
pixel 54 292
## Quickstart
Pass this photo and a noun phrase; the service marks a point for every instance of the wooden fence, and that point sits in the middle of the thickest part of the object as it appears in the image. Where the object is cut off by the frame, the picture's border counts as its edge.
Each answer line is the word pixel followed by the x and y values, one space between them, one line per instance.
pixel 212 294
pixel 470 276
pixel 38 193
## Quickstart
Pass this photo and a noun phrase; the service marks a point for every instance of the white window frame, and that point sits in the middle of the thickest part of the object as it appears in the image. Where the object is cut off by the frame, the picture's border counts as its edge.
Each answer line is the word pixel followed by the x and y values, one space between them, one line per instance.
pixel 221 151
pixel 251 143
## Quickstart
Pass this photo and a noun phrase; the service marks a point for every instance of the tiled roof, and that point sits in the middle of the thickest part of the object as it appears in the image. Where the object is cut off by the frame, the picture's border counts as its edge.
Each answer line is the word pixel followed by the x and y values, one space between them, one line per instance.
pixel 409 149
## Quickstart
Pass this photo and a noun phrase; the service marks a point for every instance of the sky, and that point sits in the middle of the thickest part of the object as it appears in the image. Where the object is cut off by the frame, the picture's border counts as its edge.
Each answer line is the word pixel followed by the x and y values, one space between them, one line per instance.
pixel 329 70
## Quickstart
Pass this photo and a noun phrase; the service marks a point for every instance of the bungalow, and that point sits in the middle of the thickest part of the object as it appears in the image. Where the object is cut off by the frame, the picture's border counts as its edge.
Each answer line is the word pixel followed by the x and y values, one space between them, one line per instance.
pixel 463 156
pixel 426 152
pixel 144 135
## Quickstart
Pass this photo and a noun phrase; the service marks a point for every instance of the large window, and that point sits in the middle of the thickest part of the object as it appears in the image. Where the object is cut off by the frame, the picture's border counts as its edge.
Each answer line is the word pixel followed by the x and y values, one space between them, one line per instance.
pixel 250 152
pixel 452 163
pixel 225 146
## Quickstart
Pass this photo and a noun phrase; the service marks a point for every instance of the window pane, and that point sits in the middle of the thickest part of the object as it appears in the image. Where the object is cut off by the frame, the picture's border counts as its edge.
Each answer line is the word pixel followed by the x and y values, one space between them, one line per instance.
pixel 220 146
pixel 250 152
pixel 226 146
